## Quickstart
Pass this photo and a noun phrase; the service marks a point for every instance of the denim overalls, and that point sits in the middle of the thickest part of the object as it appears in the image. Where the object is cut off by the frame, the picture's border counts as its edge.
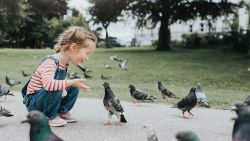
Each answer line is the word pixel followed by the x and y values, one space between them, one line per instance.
pixel 51 102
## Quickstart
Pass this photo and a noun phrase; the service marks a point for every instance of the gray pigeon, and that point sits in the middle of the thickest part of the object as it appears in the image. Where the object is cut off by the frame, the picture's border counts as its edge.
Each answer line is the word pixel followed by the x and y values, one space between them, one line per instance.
pixel 187 136
pixel 73 75
pixel 165 92
pixel 123 64
pixel 115 58
pixel 84 69
pixel 107 66
pixel 113 105
pixel 86 75
pixel 151 134
pixel 39 127
pixel 25 74
pixel 241 127
pixel 247 100
pixel 11 82
pixel 138 95
pixel 187 103
pixel 201 97
pixel 5 113
pixel 4 91
pixel 105 77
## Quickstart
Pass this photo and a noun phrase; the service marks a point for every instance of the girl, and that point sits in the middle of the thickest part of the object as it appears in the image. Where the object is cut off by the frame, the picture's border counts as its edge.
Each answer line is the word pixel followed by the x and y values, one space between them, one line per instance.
pixel 48 91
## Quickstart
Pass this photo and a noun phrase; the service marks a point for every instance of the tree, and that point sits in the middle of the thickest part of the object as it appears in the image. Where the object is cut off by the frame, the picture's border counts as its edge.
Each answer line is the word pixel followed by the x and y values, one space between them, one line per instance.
pixel 167 12
pixel 106 11
pixel 12 17
pixel 40 10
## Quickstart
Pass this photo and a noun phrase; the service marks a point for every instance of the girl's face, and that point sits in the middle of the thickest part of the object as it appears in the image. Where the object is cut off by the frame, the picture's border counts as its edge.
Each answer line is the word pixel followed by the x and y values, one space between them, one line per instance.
pixel 81 53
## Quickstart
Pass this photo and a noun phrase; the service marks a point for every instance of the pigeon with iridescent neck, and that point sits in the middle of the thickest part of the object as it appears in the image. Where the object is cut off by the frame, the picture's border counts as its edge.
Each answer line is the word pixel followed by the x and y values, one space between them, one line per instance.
pixel 5 112
pixel 11 82
pixel 187 103
pixel 165 92
pixel 113 106
pixel 201 97
pixel 187 136
pixel 139 95
pixel 39 127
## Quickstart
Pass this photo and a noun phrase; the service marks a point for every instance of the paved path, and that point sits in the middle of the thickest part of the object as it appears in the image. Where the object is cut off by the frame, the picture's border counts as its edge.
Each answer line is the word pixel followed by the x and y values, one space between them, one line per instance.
pixel 209 124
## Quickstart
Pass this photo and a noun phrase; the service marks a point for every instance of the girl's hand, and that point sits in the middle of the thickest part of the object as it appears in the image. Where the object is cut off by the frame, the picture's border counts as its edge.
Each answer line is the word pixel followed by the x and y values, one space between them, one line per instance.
pixel 78 83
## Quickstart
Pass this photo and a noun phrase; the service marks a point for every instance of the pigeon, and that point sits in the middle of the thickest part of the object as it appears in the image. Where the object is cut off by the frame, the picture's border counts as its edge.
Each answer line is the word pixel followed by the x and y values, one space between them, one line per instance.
pixel 5 113
pixel 11 82
pixel 138 95
pixel 84 69
pixel 73 75
pixel 108 66
pixel 151 134
pixel 241 126
pixel 113 105
pixel 25 74
pixel 115 58
pixel 165 92
pixel 187 103
pixel 240 109
pixel 187 136
pixel 86 75
pixel 39 127
pixel 247 100
pixel 123 64
pixel 104 77
pixel 201 97
pixel 4 91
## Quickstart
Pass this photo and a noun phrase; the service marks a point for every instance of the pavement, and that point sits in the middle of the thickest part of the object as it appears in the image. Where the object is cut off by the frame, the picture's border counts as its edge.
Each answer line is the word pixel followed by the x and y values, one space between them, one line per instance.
pixel 208 124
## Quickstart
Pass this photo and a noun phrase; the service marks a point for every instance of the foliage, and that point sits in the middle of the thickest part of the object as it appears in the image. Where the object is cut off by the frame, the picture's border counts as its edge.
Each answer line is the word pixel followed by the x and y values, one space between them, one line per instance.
pixel 12 16
pixel 56 26
pixel 106 11
pixel 167 12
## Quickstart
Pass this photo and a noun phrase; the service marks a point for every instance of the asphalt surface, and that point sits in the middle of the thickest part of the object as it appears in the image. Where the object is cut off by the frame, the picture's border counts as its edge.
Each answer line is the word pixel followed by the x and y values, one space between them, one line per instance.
pixel 208 124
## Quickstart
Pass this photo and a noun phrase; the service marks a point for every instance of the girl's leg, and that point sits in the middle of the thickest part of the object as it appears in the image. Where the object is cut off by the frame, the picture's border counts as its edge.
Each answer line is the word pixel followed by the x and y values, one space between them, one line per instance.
pixel 47 102
pixel 69 100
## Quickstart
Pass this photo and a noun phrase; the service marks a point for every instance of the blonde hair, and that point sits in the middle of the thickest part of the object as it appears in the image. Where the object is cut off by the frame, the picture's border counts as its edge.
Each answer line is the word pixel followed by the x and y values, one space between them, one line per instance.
pixel 74 34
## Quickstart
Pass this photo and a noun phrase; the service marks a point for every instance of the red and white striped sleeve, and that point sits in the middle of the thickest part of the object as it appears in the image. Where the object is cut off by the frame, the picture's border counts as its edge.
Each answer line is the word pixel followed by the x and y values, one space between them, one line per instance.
pixel 47 70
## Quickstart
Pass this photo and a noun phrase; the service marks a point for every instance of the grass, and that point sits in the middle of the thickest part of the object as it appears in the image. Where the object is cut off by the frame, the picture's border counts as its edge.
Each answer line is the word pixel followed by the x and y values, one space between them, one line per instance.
pixel 223 75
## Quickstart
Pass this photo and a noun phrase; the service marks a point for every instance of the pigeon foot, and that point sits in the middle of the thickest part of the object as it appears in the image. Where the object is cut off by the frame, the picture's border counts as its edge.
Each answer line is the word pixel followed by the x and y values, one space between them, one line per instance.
pixel 108 123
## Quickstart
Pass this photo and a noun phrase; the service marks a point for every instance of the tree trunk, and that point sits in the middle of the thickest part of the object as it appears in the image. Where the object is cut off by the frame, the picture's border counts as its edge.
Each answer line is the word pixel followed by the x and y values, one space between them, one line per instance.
pixel 107 38
pixel 164 36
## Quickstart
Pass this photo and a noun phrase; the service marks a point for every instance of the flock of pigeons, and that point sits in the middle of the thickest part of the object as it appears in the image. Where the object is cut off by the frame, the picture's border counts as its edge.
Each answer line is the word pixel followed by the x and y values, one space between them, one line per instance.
pixel 40 129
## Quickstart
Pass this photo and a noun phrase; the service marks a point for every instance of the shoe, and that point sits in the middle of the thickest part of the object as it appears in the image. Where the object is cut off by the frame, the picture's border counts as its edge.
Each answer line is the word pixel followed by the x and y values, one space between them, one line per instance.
pixel 68 117
pixel 57 122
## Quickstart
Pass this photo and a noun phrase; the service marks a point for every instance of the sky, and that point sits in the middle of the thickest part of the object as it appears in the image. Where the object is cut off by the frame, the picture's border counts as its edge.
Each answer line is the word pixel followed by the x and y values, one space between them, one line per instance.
pixel 126 30
pixel 122 30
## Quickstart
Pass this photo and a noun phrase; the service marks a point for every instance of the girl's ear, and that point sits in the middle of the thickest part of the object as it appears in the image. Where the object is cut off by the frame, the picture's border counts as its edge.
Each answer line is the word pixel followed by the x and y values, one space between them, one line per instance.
pixel 73 47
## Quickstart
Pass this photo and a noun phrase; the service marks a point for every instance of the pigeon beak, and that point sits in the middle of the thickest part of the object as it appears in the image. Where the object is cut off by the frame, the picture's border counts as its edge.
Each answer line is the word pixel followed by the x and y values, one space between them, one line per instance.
pixel 25 121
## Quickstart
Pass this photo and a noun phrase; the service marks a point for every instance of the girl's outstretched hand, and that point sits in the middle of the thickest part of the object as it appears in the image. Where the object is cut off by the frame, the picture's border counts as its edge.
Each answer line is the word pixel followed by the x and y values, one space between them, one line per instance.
pixel 79 84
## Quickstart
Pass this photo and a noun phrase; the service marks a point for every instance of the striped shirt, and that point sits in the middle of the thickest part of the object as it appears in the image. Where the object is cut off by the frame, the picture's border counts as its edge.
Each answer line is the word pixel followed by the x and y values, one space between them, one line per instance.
pixel 44 78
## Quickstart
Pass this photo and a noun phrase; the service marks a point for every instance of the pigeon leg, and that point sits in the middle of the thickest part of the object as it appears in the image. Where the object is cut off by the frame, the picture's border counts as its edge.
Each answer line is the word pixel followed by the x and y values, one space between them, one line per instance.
pixel 190 114
pixel 108 122
pixel 183 116
pixel 118 123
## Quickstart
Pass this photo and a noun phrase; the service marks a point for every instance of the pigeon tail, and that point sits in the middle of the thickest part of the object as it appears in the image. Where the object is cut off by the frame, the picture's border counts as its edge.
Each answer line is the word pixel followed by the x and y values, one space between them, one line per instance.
pixel 7 115
pixel 123 119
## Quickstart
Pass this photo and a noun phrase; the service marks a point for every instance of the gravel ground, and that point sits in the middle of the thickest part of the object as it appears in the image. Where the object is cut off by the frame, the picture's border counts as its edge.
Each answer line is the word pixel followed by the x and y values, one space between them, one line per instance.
pixel 209 124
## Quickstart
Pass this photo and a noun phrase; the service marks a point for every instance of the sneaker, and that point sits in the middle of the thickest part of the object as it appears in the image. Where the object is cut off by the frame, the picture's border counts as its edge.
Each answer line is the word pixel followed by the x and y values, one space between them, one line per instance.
pixel 57 122
pixel 68 117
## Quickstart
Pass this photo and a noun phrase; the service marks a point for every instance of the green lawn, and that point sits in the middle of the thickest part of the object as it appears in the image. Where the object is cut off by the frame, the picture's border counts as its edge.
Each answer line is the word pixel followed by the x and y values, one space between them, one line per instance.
pixel 223 75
